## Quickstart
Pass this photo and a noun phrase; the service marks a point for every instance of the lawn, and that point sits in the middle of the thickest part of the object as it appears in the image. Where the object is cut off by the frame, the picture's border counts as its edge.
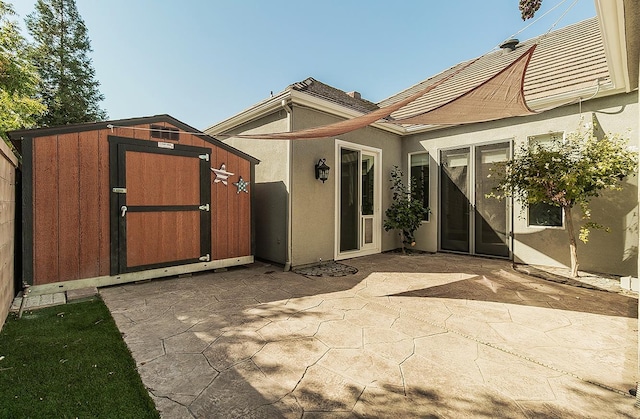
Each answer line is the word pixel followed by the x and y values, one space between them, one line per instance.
pixel 69 361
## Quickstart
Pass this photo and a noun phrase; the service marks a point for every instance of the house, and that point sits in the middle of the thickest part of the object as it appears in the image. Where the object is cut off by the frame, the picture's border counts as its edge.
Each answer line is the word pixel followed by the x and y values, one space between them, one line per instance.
pixel 581 76
pixel 117 201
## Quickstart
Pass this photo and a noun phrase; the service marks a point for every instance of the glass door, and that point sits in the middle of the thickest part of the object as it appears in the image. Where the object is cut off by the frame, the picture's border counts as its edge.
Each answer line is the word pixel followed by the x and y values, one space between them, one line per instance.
pixel 491 215
pixel 470 220
pixel 358 202
pixel 454 200
pixel 349 200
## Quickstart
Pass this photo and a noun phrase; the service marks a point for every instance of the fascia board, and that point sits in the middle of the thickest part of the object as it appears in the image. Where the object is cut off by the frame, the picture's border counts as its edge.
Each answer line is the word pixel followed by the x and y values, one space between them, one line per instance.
pixel 611 20
pixel 256 111
pixel 323 105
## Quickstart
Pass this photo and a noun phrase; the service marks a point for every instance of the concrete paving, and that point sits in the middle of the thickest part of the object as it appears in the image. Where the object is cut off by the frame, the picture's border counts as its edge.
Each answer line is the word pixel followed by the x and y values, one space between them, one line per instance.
pixel 406 336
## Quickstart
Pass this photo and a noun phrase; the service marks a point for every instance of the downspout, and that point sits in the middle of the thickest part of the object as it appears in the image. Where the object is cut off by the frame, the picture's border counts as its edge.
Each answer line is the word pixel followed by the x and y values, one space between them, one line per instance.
pixel 287 108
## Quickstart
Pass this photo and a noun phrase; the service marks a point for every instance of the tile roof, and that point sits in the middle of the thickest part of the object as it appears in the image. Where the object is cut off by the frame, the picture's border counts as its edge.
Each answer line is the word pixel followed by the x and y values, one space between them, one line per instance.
pixel 565 60
pixel 324 91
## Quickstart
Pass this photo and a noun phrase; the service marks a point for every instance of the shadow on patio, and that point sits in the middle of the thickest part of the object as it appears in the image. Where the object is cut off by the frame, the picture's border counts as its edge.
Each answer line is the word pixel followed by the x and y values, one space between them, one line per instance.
pixel 257 342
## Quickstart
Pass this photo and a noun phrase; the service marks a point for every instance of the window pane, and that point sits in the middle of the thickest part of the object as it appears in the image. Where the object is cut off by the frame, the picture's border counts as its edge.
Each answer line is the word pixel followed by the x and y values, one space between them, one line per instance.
pixel 349 202
pixel 420 172
pixel 367 184
pixel 545 215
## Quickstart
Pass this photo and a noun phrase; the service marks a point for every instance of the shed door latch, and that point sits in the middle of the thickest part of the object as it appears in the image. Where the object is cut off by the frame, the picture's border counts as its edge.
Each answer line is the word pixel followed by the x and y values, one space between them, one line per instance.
pixel 204 157
pixel 119 190
pixel 123 210
pixel 204 207
pixel 205 258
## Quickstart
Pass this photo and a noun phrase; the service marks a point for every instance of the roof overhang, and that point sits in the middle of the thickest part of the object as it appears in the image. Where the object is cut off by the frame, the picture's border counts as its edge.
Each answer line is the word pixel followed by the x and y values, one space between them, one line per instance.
pixel 620 32
pixel 295 98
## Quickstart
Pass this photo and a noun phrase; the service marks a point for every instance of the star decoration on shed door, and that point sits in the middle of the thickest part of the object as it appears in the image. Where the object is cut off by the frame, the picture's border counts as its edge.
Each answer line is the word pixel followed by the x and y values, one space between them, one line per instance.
pixel 221 174
pixel 242 185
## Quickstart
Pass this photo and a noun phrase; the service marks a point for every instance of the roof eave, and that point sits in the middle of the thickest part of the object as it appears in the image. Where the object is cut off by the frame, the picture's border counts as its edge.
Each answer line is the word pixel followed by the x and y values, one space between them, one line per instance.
pixel 257 111
pixel 327 106
pixel 294 97
pixel 611 18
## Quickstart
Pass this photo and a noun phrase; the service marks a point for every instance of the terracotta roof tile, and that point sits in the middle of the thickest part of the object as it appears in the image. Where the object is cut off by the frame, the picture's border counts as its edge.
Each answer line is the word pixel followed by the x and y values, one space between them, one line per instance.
pixel 319 89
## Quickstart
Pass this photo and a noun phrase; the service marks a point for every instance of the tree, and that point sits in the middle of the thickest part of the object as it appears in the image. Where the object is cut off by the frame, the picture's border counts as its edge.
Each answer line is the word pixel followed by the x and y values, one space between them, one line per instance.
pixel 60 52
pixel 528 8
pixel 568 173
pixel 19 107
pixel 405 214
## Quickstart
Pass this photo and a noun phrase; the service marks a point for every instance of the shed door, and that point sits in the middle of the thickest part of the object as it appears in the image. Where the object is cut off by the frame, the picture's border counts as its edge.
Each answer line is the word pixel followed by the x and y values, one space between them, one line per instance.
pixel 160 206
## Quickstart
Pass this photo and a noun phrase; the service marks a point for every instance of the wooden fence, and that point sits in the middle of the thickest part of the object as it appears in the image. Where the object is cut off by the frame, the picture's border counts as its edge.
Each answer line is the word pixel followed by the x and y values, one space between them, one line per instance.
pixel 8 165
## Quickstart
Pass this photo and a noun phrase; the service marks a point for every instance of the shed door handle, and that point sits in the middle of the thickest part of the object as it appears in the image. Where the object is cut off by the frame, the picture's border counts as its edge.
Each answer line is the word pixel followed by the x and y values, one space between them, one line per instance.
pixel 123 209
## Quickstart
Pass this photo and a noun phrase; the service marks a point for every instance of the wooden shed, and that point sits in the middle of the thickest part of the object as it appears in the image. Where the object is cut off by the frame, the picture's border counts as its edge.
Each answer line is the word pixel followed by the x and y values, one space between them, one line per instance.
pixel 119 201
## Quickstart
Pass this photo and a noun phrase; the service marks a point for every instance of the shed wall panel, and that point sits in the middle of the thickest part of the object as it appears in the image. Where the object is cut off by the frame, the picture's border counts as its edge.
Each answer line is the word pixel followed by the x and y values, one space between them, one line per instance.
pixel 244 212
pixel 104 194
pixel 45 210
pixel 68 207
pixel 222 214
pixel 89 234
pixel 232 214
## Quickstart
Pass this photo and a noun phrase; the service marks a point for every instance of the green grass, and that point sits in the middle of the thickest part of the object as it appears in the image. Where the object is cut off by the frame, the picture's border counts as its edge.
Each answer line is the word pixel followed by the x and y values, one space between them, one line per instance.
pixel 69 361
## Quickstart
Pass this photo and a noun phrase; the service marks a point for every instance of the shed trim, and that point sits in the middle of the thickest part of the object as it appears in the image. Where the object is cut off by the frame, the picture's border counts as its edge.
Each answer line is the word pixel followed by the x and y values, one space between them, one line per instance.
pixel 18 136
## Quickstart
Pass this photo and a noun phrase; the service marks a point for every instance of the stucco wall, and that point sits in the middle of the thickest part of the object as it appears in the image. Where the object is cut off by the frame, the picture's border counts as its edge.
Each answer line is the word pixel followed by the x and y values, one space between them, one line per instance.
pixel 271 190
pixel 314 202
pixel 8 164
pixel 615 252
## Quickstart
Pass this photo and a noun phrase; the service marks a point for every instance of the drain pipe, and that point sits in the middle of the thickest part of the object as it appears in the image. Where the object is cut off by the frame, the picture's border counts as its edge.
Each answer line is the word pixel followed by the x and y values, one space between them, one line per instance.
pixel 287 108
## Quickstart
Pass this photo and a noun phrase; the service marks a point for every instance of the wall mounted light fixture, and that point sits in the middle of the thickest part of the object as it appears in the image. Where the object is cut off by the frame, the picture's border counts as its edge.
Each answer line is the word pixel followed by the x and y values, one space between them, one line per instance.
pixel 322 170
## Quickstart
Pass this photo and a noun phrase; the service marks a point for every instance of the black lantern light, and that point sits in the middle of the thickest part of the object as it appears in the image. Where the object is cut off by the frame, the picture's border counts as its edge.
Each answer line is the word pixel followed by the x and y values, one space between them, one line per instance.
pixel 322 170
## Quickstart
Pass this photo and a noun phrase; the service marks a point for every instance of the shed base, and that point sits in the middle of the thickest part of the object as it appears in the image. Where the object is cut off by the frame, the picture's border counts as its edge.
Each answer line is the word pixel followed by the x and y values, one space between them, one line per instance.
pixel 103 281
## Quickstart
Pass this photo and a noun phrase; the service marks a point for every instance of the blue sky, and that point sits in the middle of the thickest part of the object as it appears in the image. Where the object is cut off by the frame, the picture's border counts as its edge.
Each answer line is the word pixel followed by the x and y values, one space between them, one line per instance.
pixel 202 61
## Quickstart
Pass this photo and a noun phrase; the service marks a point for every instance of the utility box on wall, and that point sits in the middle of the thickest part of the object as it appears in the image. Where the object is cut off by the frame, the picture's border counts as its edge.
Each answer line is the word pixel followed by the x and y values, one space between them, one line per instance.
pixel 120 201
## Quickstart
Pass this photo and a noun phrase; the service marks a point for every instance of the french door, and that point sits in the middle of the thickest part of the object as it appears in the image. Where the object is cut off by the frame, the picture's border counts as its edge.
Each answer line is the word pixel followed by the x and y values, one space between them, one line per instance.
pixel 358 201
pixel 471 221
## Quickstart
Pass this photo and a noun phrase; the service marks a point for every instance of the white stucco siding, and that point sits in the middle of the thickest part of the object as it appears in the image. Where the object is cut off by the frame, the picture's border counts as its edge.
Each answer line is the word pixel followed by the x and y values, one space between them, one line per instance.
pixel 614 252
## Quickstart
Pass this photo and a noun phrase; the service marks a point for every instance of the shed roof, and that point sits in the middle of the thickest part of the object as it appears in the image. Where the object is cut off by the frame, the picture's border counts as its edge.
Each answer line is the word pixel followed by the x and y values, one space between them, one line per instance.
pixel 17 136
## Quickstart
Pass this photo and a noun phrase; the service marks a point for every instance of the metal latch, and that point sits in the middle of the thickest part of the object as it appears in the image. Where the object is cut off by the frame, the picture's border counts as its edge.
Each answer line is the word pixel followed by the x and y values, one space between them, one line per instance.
pixel 205 258
pixel 119 190
pixel 204 207
pixel 204 157
pixel 123 209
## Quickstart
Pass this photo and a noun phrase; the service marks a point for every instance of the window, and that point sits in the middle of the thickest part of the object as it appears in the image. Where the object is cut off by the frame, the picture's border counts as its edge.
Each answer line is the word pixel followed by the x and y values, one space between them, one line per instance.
pixel 545 215
pixel 165 133
pixel 419 171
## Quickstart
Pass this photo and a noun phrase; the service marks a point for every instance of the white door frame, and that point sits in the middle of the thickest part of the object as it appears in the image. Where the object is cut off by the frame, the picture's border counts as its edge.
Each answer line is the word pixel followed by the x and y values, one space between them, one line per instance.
pixel 375 246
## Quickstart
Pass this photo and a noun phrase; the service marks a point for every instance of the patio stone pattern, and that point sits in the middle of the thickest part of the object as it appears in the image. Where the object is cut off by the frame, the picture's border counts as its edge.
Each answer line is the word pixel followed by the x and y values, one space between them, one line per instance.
pixel 406 336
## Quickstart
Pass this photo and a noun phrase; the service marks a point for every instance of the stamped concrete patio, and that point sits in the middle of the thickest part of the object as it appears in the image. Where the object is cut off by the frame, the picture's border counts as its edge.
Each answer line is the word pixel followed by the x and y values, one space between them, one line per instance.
pixel 406 336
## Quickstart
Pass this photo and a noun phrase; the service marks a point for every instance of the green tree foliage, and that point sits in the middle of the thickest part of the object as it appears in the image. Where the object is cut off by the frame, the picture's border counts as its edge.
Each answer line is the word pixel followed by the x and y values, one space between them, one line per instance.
pixel 60 52
pixel 19 107
pixel 404 214
pixel 567 173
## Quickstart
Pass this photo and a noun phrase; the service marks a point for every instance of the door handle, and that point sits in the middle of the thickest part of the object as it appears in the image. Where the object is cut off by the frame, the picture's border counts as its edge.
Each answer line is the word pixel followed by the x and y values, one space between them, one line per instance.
pixel 123 210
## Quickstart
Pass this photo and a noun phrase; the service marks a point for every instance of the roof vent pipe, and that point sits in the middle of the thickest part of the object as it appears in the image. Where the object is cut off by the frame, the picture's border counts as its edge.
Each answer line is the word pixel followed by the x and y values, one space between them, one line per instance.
pixel 510 44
